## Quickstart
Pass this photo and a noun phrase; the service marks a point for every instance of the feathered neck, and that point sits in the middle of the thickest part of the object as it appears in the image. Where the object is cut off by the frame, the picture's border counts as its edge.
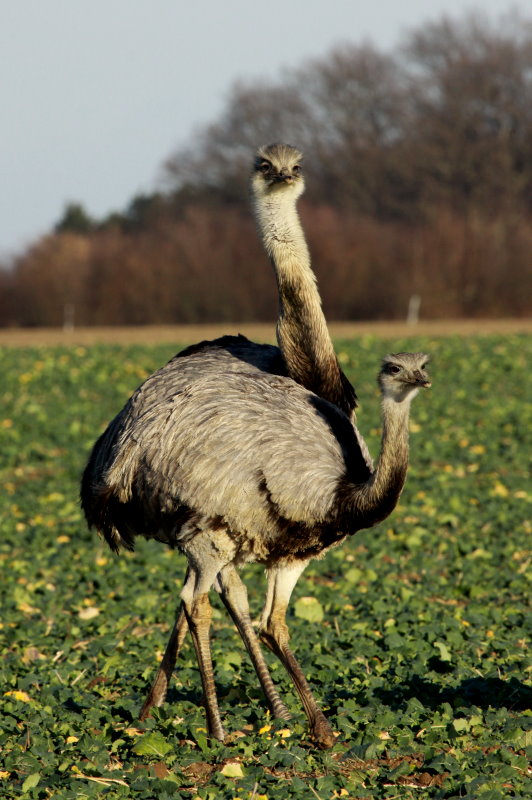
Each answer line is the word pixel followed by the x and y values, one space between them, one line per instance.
pixel 364 505
pixel 302 331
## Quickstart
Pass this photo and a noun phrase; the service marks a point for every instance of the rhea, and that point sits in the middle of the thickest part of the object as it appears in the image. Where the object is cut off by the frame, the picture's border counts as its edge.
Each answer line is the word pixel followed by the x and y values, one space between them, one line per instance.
pixel 242 467
pixel 305 351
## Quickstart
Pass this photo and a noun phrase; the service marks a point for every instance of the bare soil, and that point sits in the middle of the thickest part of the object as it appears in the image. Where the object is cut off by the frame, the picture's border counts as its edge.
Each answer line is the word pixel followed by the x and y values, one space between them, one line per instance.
pixel 186 334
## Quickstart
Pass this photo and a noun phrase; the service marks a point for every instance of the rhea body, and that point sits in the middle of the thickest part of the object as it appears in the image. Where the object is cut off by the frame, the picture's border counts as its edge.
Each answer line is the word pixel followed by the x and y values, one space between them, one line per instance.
pixel 256 461
pixel 254 468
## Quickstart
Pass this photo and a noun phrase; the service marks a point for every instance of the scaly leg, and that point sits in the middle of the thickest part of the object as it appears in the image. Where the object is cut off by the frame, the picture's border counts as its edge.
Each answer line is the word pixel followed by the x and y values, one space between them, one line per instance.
pixel 274 633
pixel 198 614
pixel 205 562
pixel 234 595
pixel 159 687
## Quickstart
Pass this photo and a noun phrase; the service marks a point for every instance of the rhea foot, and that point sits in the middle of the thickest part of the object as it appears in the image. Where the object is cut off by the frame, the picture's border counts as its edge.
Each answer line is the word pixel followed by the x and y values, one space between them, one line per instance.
pixel 322 733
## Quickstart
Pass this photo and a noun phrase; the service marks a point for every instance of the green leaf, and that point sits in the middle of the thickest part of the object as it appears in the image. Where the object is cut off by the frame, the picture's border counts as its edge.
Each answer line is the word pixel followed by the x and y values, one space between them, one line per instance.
pixel 231 660
pixel 445 654
pixel 519 737
pixel 309 608
pixel 152 744
pixel 353 575
pixel 31 781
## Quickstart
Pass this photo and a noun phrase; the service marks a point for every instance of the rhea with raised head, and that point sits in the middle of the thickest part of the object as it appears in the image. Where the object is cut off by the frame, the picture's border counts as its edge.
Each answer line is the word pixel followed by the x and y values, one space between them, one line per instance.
pixel 205 456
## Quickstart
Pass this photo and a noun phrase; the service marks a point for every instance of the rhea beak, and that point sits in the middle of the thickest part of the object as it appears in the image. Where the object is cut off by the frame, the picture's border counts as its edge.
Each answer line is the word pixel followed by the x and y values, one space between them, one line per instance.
pixel 421 381
pixel 284 179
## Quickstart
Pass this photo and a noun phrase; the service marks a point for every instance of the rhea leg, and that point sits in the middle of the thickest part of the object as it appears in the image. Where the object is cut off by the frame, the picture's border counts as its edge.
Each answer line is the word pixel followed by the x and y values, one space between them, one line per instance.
pixel 274 633
pixel 195 613
pixel 198 613
pixel 159 687
pixel 234 595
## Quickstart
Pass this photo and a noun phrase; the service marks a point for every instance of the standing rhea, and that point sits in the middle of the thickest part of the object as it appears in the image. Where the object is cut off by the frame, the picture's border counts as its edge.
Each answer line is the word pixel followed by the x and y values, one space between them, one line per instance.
pixel 305 350
pixel 237 467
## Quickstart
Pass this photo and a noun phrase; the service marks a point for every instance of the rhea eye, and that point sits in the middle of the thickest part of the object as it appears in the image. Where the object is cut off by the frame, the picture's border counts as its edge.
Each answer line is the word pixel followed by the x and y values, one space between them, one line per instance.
pixel 394 369
pixel 424 366
pixel 296 169
pixel 264 167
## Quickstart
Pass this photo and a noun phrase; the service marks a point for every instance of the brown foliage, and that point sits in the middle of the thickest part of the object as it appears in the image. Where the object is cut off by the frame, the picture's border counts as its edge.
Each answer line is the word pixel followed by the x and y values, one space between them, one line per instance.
pixel 209 267
pixel 49 278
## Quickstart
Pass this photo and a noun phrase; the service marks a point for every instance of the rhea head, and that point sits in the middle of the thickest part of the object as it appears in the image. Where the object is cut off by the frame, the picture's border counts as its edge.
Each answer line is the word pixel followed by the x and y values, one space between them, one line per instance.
pixel 277 170
pixel 402 374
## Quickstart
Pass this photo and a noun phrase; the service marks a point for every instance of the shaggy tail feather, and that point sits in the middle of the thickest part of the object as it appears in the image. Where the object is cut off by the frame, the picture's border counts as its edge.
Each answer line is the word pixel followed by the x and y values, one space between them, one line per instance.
pixel 102 511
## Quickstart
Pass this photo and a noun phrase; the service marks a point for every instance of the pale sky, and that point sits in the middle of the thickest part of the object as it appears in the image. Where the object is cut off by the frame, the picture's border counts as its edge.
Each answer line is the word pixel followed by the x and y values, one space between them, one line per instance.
pixel 94 96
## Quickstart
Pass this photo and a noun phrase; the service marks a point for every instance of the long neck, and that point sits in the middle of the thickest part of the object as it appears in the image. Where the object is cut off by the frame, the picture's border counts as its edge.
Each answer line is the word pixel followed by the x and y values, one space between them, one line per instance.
pixel 366 504
pixel 302 331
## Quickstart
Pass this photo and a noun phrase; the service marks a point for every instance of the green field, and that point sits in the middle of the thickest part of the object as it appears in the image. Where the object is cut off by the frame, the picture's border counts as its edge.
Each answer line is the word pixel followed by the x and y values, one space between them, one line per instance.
pixel 414 637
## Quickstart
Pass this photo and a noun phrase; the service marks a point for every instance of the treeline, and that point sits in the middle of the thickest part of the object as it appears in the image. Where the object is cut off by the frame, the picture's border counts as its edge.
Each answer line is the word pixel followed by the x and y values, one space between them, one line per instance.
pixel 419 182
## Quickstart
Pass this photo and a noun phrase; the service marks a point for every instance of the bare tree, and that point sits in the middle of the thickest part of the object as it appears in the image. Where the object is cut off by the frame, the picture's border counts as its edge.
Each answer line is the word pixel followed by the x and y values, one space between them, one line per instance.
pixel 471 90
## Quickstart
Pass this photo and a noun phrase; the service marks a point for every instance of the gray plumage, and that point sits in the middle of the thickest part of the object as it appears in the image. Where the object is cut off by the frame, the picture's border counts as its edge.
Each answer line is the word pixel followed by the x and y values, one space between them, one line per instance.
pixel 249 454
pixel 229 447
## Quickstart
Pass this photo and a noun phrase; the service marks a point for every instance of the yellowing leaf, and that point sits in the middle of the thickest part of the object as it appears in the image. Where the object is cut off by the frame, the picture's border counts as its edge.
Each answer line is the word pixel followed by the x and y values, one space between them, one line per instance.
pixel 26 608
pixel 499 490
pixel 53 497
pixel 17 695
pixel 479 449
pixel 479 552
pixel 233 769
pixel 72 739
pixel 133 731
pixel 31 654
pixel 88 613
